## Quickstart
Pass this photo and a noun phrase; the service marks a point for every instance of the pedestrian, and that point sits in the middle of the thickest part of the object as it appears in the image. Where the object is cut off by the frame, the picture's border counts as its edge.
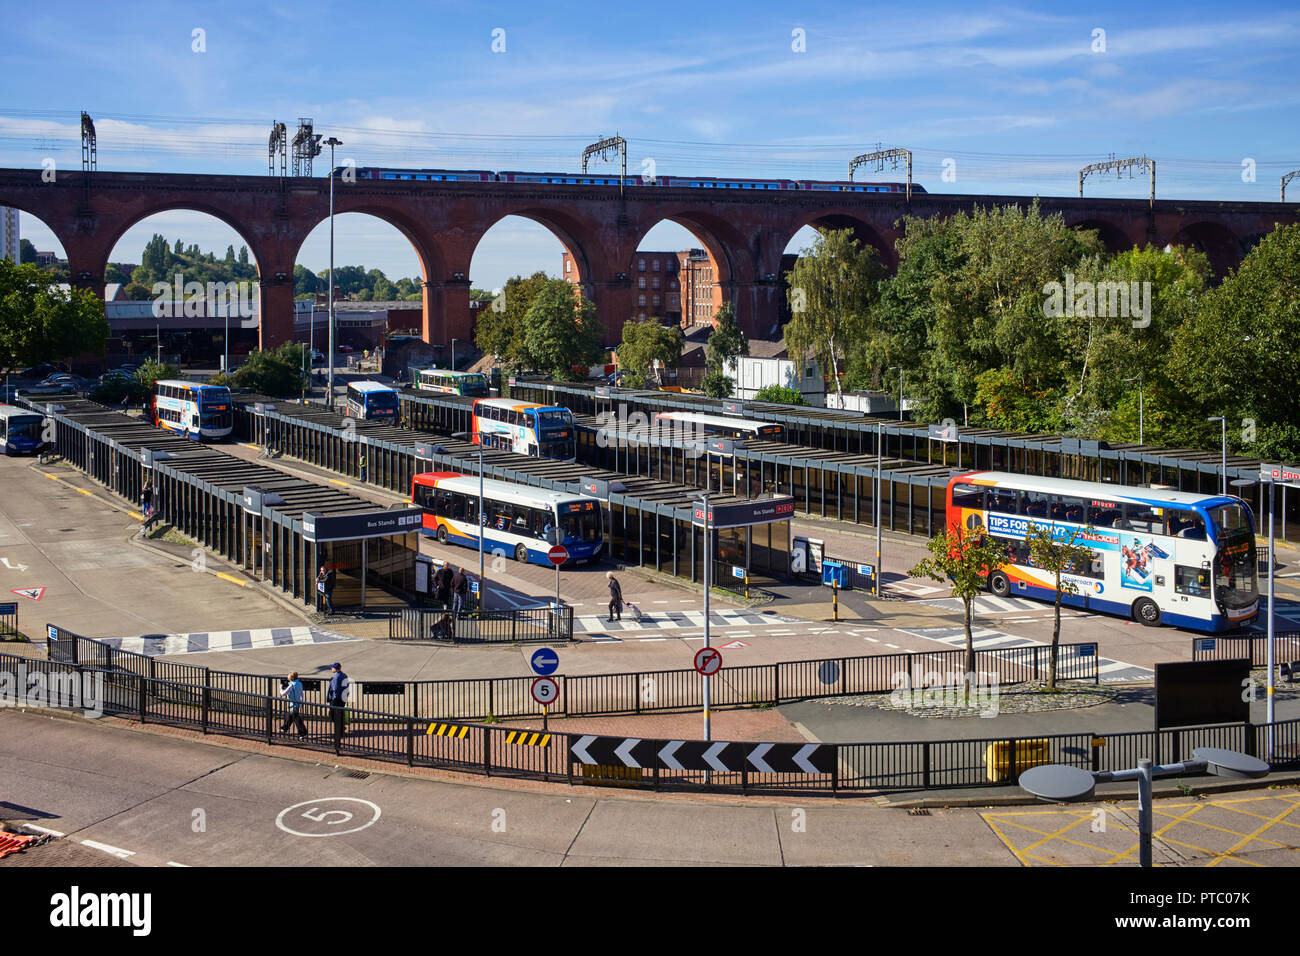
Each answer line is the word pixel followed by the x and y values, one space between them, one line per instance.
pixel 266 441
pixel 325 586
pixel 459 588
pixel 363 467
pixel 293 691
pixel 615 596
pixel 442 585
pixel 336 696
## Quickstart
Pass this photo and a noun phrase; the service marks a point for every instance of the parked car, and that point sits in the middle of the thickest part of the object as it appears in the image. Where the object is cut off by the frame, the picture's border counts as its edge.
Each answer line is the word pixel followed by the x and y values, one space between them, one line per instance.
pixel 8 393
pixel 56 385
pixel 344 348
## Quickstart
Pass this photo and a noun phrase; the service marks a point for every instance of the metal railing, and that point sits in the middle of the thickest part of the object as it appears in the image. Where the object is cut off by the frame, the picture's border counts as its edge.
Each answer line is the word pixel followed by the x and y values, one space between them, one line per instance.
pixel 505 751
pixel 1253 646
pixel 9 621
pixel 493 626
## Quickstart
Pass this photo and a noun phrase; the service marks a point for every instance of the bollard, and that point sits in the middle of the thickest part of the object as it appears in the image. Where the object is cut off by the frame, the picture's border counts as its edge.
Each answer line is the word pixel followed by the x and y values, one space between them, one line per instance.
pixel 835 597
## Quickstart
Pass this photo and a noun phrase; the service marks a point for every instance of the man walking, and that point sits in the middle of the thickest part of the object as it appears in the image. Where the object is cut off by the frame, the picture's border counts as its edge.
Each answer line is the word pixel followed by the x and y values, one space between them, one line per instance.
pixel 293 691
pixel 459 588
pixel 442 586
pixel 615 596
pixel 336 695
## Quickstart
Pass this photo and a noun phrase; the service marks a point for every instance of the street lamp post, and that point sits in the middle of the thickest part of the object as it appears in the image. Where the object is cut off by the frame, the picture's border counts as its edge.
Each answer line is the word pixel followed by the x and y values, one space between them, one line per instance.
pixel 1271 693
pixel 482 523
pixel 329 397
pixel 708 560
pixel 900 389
pixel 880 433
pixel 1223 421
pixel 1138 379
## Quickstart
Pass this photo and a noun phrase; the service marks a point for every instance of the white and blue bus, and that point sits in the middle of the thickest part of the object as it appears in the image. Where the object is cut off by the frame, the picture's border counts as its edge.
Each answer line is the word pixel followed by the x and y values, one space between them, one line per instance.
pixel 1158 556
pixel 449 382
pixel 717 426
pixel 20 430
pixel 371 401
pixel 518 520
pixel 527 428
pixel 199 412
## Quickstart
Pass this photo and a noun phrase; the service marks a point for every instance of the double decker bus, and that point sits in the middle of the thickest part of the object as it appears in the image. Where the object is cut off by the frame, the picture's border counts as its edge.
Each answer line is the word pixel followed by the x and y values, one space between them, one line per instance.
pixel 20 430
pixel 199 412
pixel 451 382
pixel 371 401
pixel 528 428
pixel 517 519
pixel 1157 556
pixel 718 426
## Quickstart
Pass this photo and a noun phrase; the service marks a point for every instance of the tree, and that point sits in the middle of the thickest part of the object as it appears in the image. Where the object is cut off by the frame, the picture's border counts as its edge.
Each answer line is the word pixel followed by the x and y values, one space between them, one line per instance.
pixel 278 373
pixel 718 385
pixel 962 560
pixel 383 291
pixel 39 322
pixel 500 329
pixel 644 344
pixel 180 248
pixel 560 331
pixel 726 341
pixel 154 260
pixel 243 255
pixel 230 258
pixel 780 395
pixel 833 289
pixel 26 251
pixel 304 280
pixel 1052 551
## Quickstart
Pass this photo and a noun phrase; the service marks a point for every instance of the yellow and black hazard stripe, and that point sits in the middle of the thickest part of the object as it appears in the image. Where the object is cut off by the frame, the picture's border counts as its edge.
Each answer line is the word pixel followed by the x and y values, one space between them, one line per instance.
pixel 528 739
pixel 447 730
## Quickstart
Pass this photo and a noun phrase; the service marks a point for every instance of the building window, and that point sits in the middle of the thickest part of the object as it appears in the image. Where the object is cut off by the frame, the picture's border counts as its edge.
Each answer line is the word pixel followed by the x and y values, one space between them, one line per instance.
pixel 640 265
pixel 656 282
pixel 643 315
pixel 640 283
pixel 640 300
pixel 656 301
pixel 567 264
pixel 656 265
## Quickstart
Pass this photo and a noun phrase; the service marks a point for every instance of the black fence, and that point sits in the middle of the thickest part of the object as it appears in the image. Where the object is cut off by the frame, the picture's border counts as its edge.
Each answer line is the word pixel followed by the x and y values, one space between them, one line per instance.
pixel 1286 648
pixel 173 700
pixel 9 621
pixel 493 626
pixel 633 692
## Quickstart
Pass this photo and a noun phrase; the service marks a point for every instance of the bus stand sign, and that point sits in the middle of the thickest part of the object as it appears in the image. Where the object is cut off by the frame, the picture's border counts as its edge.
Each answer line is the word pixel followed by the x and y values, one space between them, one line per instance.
pixel 1282 474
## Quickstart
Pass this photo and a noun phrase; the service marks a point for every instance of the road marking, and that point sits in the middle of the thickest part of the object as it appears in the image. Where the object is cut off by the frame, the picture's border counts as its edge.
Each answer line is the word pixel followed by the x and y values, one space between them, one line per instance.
pixel 231 578
pixel 651 640
pixel 894 646
pixel 84 491
pixel 871 639
pixel 111 850
pixel 51 477
pixel 335 481
pixel 660 602
pixel 137 517
pixel 314 807
pixel 173 863
pixel 33 826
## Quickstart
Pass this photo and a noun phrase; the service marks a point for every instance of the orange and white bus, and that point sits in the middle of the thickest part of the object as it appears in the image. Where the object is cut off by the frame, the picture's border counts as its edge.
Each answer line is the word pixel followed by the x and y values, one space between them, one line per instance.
pixel 526 428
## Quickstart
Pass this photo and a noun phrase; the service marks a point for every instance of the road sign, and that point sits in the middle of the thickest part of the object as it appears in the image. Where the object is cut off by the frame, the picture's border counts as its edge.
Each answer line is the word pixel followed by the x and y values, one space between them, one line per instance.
pixel 545 690
pixel 1206 644
pixel 544 661
pixel 737 572
pixel 708 661
pixel 9 608
pixel 866 569
pixel 34 593
pixel 558 555
pixel 703 755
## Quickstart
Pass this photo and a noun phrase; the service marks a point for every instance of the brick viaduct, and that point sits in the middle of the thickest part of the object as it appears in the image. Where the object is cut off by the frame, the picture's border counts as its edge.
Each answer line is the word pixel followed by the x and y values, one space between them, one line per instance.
pixel 745 233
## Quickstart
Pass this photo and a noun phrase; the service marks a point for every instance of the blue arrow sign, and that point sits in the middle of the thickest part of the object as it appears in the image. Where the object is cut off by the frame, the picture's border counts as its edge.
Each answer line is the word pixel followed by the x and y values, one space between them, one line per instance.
pixel 544 662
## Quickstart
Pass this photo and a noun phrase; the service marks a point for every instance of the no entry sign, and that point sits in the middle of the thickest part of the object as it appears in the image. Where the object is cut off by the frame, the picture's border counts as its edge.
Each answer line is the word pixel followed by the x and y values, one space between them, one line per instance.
pixel 558 555
pixel 708 661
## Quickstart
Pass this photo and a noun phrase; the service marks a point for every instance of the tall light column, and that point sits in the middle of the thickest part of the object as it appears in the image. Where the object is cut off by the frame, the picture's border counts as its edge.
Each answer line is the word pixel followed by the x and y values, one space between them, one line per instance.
pixel 880 433
pixel 329 393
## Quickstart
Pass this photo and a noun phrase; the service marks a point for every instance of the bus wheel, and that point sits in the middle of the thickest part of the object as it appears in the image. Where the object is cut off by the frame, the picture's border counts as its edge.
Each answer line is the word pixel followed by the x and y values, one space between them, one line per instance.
pixel 999 584
pixel 521 554
pixel 442 535
pixel 1146 611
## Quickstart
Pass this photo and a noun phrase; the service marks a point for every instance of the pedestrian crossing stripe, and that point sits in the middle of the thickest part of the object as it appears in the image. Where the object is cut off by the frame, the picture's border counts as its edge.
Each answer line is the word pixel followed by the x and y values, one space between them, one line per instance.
pixel 447 730
pixel 525 739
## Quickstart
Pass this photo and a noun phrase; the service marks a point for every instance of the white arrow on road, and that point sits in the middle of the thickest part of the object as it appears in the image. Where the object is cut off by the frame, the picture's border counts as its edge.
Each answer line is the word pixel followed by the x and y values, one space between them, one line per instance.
pixel 711 756
pixel 624 752
pixel 666 755
pixel 801 758
pixel 756 758
pixel 580 749
pixel 13 567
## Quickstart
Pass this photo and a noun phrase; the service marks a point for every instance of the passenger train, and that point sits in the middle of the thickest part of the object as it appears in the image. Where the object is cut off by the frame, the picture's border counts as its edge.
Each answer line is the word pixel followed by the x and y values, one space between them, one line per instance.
pixel 604 179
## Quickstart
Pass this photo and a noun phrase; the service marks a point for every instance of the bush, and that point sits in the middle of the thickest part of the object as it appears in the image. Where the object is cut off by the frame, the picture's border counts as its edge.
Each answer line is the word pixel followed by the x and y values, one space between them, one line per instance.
pixel 780 395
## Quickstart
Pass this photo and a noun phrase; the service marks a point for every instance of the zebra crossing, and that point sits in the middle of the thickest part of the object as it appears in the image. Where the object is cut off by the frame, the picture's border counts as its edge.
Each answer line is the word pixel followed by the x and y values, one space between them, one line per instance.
pixel 208 641
pixel 987 639
pixel 988 604
pixel 677 620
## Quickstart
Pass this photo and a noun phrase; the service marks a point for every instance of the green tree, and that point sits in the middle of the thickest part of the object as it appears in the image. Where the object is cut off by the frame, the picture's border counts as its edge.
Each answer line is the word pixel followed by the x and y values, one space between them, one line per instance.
pixel 243 255
pixel 780 395
pixel 39 322
pixel 644 344
pixel 277 373
pixel 500 328
pixel 26 251
pixel 383 290
pixel 305 281
pixel 718 385
pixel 1056 551
pixel 154 261
pixel 726 341
pixel 230 258
pixel 833 290
pixel 559 331
pixel 1238 357
pixel 963 561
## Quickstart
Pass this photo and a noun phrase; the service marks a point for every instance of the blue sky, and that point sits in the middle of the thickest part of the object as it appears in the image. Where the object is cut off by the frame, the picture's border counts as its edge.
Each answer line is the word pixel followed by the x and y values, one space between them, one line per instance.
pixel 1017 97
